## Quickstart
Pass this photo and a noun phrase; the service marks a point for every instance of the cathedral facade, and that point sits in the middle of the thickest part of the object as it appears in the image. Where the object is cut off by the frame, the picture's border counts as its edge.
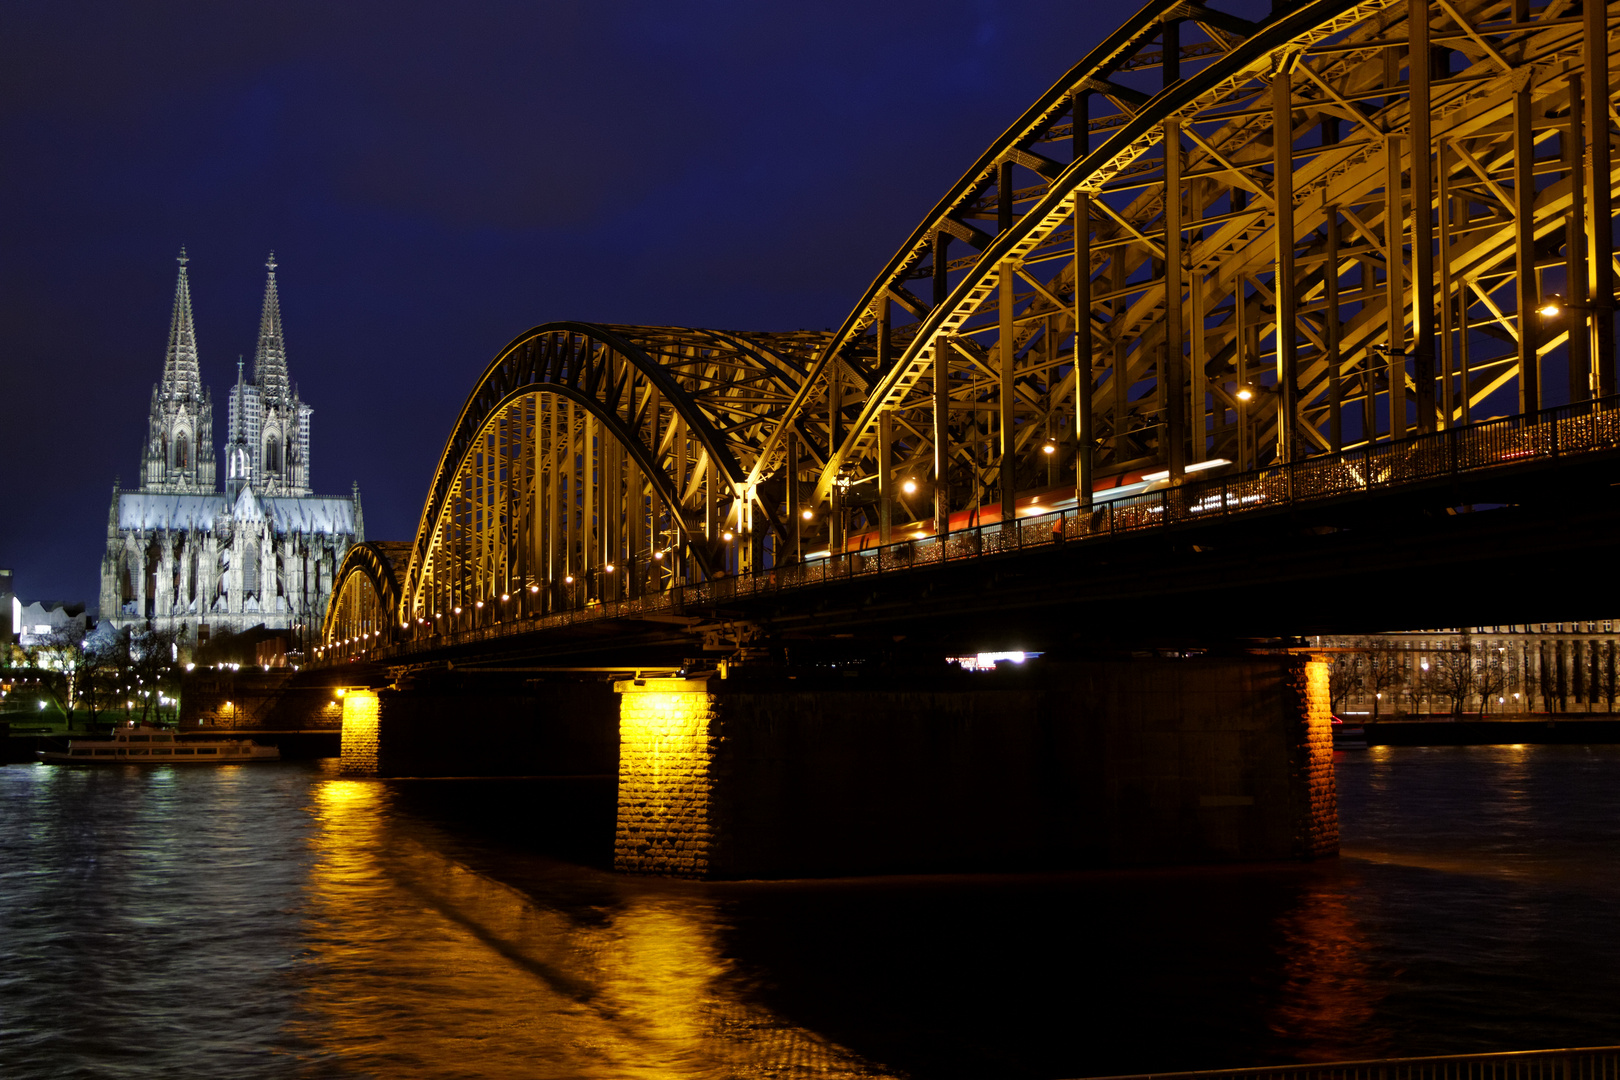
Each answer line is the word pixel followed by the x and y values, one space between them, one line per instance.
pixel 185 556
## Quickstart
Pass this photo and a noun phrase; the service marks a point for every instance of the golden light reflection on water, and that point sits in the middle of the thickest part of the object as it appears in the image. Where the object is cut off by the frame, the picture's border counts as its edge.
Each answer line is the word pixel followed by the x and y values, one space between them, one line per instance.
pixel 1329 997
pixel 420 966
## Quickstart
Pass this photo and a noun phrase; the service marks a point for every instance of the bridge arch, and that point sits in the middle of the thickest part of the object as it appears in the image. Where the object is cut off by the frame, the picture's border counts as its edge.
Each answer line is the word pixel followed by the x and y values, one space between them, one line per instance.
pixel 1215 244
pixel 1160 146
pixel 595 462
pixel 364 611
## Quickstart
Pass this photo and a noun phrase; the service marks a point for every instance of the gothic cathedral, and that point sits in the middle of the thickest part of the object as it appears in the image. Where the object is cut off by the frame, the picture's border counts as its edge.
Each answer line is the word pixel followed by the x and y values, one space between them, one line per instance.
pixel 182 555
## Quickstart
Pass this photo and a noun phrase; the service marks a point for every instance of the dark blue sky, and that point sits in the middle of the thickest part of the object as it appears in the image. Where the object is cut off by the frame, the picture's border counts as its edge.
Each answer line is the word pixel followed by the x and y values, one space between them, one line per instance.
pixel 435 179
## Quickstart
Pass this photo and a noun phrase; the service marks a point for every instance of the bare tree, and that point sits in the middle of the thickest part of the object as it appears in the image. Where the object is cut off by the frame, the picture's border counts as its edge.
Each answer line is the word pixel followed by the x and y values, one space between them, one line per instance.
pixel 1381 672
pixel 1491 676
pixel 59 658
pixel 1343 678
pixel 154 655
pixel 1451 675
pixel 106 657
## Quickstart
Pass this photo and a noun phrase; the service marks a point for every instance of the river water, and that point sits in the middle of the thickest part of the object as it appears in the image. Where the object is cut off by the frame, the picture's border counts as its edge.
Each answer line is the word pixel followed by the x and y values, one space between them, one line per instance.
pixel 281 921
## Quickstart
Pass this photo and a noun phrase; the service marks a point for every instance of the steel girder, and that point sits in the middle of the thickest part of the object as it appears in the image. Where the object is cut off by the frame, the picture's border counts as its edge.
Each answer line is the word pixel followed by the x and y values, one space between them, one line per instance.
pixel 1186 365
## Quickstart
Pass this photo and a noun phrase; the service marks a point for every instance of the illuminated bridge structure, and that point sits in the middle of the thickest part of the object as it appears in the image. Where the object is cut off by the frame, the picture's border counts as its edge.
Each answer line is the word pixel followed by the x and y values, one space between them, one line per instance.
pixel 1293 293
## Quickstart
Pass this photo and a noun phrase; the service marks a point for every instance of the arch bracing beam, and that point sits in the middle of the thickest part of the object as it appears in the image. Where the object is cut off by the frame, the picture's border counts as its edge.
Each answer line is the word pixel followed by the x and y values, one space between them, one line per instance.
pixel 596 463
pixel 1404 224
pixel 364 609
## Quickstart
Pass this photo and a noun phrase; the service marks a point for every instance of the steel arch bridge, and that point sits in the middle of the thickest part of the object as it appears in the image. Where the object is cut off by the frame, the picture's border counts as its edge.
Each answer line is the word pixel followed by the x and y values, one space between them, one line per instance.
pixel 1141 275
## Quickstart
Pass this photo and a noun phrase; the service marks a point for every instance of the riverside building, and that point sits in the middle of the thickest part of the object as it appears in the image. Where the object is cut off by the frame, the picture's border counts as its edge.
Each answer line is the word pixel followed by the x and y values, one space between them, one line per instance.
pixel 184 555
pixel 1505 670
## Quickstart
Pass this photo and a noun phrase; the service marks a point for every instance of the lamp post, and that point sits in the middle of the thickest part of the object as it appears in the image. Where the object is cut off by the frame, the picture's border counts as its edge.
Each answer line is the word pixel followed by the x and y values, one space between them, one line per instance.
pixel 1554 306
pixel 1247 395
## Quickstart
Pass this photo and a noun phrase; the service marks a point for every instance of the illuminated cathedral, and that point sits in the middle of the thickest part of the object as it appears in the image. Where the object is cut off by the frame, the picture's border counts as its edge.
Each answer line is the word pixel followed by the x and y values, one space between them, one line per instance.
pixel 183 555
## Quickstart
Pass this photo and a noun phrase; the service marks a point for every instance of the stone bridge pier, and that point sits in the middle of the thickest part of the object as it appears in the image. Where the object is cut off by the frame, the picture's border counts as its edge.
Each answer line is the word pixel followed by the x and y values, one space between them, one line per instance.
pixel 775 774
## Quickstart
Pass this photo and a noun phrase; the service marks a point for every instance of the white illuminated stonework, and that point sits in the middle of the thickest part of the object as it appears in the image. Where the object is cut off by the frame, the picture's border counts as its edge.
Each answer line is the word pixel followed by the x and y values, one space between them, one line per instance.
pixel 183 555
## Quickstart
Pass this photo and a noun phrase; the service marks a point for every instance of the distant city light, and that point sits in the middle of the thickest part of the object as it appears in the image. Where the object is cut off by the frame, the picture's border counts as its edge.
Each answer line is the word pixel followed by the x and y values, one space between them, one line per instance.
pixel 986 661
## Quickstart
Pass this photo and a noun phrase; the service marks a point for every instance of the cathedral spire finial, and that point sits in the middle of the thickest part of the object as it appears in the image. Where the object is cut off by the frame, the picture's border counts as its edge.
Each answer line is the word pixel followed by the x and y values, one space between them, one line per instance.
pixel 270 358
pixel 181 377
pixel 179 454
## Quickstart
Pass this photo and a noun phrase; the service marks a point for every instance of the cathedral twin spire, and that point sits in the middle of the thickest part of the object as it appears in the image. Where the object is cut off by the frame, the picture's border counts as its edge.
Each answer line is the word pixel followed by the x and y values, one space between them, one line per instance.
pixel 270 359
pixel 181 376
pixel 269 425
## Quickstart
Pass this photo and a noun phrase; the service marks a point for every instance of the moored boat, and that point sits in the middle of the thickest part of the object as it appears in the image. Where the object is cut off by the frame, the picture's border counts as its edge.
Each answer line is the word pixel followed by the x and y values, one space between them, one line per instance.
pixel 142 745
pixel 1348 736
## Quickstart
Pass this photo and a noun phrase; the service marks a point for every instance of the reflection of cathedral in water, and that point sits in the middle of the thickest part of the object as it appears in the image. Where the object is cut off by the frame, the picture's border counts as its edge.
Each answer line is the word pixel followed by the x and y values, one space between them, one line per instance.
pixel 182 555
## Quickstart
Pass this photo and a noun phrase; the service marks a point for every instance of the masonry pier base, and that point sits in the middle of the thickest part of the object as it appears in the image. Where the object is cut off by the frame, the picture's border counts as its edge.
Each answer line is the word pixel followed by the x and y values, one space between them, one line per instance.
pixel 776 774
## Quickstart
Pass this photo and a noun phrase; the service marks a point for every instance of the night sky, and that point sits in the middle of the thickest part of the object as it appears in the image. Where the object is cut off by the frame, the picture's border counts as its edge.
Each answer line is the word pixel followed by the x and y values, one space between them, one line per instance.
pixel 434 180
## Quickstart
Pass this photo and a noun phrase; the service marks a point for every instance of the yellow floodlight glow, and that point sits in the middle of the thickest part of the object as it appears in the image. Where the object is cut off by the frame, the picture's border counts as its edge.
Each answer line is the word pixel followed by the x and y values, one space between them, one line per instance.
pixel 808 515
pixel 607 568
pixel 1245 394
pixel 1549 309
pixel 659 555
pixel 505 597
pixel 909 487
pixel 727 535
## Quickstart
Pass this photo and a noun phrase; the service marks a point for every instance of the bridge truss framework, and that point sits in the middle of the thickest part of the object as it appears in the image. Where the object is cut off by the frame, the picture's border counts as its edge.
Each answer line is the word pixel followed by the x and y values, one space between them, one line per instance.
pixel 1444 254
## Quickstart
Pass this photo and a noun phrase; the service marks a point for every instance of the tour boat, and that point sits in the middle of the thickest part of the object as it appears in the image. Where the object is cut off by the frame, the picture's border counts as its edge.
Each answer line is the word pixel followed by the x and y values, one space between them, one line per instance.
pixel 153 746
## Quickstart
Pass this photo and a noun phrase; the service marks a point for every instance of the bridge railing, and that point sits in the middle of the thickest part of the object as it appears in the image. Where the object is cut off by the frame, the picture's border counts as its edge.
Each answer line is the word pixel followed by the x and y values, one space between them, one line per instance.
pixel 1587 1063
pixel 1564 431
